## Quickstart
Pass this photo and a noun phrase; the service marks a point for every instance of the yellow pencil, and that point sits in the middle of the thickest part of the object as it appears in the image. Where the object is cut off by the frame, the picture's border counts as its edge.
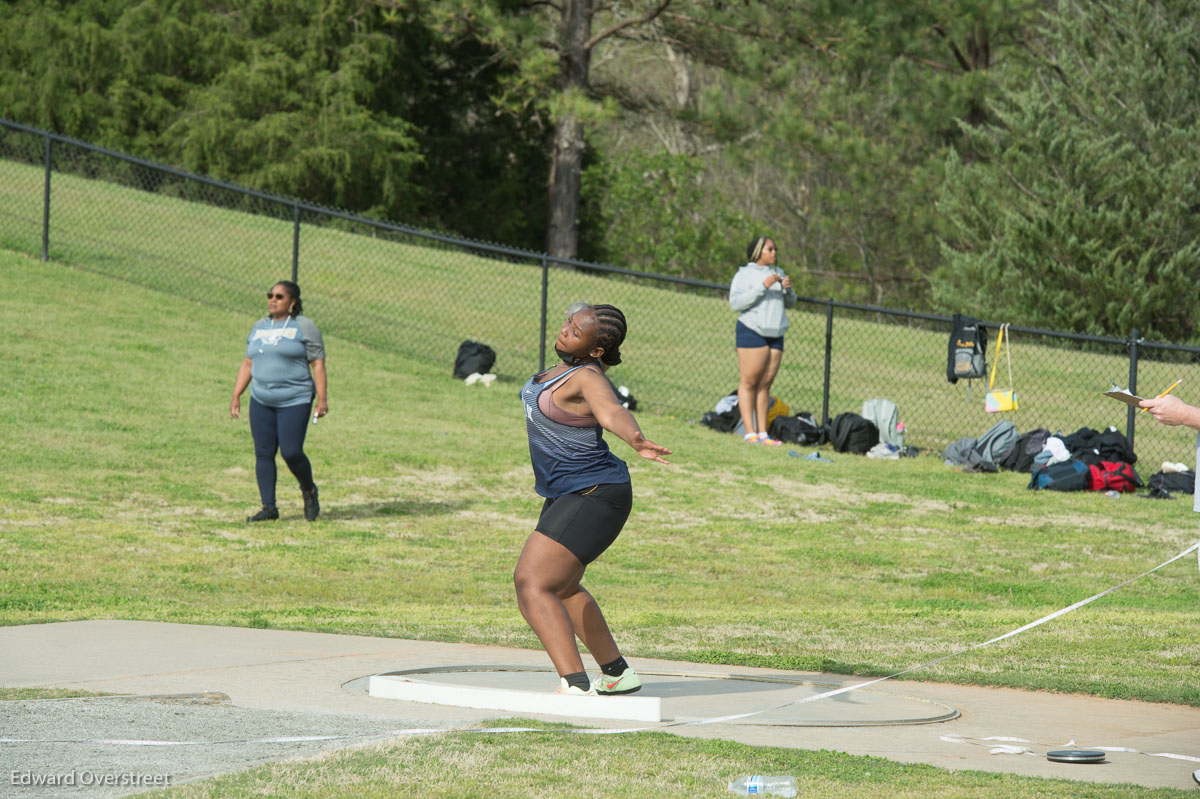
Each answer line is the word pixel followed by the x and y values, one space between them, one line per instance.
pixel 1166 392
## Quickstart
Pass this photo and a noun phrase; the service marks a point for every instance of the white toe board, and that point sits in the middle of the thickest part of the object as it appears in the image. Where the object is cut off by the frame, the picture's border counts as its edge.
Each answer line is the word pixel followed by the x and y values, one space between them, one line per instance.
pixel 628 708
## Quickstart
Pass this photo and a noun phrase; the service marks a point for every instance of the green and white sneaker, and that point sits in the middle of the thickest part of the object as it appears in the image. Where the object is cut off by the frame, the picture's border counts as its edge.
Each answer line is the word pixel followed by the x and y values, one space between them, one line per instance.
pixel 566 688
pixel 627 683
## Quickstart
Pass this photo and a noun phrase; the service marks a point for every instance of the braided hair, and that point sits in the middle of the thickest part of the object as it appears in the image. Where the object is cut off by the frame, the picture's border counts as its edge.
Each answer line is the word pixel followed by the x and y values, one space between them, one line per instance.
pixel 293 291
pixel 610 332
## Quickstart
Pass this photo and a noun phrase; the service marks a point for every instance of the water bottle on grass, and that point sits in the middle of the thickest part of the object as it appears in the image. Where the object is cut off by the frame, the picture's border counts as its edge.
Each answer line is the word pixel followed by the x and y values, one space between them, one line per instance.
pixel 764 786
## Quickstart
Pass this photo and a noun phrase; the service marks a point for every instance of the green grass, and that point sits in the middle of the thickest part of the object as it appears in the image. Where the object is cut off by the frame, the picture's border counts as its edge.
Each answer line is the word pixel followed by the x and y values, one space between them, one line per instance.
pixel 401 295
pixel 126 482
pixel 520 765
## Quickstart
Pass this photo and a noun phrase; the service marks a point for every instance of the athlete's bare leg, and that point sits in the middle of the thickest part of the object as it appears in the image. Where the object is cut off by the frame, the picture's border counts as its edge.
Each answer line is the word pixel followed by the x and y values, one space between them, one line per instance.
pixel 545 572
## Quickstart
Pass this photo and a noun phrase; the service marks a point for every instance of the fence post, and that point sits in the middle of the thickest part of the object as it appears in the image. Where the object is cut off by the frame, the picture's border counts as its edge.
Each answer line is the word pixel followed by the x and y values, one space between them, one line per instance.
pixel 828 359
pixel 542 337
pixel 46 207
pixel 295 243
pixel 1131 412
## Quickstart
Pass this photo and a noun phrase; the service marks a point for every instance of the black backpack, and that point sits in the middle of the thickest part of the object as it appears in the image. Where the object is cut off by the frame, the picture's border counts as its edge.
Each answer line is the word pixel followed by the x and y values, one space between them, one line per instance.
pixel 798 429
pixel 967 356
pixel 850 432
pixel 721 422
pixel 1084 445
pixel 473 357
pixel 1114 446
pixel 1020 458
pixel 1167 483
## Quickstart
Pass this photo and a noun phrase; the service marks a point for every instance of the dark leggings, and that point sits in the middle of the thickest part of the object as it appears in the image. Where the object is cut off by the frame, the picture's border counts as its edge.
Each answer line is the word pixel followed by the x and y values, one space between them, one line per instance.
pixel 281 429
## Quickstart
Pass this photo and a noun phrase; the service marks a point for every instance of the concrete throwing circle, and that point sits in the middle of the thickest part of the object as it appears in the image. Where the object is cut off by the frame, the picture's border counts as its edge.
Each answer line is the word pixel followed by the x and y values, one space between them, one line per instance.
pixel 695 696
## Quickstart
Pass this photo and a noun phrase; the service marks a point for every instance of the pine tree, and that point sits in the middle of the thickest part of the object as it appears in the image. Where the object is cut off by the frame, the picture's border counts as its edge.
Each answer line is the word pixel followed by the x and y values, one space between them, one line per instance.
pixel 1080 211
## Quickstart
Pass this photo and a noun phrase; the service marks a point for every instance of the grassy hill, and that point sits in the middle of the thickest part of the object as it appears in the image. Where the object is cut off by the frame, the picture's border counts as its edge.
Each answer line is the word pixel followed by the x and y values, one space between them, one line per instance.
pixel 418 299
pixel 126 485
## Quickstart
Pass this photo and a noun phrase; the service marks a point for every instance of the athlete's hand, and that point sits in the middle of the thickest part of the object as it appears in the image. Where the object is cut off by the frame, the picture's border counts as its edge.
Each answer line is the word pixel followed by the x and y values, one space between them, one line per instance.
pixel 651 451
pixel 235 407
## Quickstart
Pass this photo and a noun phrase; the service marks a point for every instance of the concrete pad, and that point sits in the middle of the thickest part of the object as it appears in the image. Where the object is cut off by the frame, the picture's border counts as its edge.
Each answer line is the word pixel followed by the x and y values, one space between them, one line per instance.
pixel 775 700
pixel 294 671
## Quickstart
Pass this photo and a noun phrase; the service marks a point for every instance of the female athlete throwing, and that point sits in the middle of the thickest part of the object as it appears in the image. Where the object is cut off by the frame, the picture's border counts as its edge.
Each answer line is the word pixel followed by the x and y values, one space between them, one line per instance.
pixel 588 498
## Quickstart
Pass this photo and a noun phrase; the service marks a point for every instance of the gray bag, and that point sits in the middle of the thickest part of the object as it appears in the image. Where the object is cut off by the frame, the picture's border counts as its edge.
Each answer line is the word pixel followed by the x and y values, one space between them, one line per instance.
pixel 959 453
pixel 995 445
pixel 883 414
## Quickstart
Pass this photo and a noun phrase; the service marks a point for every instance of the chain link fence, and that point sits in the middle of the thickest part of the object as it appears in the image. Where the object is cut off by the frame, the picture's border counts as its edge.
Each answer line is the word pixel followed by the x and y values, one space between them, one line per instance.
pixel 419 294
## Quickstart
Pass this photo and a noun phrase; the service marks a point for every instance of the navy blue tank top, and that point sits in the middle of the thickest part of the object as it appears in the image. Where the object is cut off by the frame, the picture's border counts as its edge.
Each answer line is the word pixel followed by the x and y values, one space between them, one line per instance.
pixel 566 458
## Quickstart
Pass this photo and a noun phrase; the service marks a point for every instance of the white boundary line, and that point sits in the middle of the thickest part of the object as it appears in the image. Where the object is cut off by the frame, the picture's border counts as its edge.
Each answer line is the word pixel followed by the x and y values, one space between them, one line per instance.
pixel 1008 749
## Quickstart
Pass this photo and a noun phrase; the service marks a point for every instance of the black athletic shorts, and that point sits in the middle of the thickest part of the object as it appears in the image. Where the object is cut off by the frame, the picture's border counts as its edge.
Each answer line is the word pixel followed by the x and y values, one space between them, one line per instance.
pixel 588 521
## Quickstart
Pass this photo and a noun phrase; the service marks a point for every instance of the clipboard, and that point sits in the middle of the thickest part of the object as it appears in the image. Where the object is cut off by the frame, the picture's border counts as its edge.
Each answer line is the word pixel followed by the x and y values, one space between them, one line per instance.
pixel 1123 395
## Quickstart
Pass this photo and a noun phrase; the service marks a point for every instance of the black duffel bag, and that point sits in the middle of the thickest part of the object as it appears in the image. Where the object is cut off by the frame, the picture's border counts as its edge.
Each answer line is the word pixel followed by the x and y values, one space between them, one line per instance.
pixel 1164 484
pixel 850 432
pixel 473 358
pixel 798 429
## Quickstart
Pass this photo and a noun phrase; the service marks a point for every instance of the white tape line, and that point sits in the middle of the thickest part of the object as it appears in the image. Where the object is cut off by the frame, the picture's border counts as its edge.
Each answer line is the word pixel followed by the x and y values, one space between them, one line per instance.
pixel 715 720
pixel 997 639
pixel 954 738
pixel 1147 754
pixel 1011 750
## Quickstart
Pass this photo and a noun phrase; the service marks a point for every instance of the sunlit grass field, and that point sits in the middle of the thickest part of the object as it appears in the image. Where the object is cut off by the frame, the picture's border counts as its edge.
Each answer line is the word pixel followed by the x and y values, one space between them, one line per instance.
pixel 520 765
pixel 126 484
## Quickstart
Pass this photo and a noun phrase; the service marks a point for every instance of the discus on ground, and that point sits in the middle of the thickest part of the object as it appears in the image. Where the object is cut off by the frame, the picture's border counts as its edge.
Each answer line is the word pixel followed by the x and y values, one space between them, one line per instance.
pixel 1076 756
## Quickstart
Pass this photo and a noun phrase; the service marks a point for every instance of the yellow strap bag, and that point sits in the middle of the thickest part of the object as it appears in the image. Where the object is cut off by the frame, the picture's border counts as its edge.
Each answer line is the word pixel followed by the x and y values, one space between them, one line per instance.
pixel 1005 400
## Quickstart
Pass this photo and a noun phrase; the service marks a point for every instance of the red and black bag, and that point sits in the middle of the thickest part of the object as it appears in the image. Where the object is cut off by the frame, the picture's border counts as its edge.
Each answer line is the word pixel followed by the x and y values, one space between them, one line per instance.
pixel 1113 476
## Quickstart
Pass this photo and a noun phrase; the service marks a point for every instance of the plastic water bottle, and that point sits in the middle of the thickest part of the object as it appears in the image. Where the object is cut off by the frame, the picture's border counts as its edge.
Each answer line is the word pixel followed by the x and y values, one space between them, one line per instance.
pixel 1112 494
pixel 764 786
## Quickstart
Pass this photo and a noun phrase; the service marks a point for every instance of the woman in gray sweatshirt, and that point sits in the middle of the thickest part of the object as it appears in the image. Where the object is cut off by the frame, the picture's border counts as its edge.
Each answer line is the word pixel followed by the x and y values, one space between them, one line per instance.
pixel 762 293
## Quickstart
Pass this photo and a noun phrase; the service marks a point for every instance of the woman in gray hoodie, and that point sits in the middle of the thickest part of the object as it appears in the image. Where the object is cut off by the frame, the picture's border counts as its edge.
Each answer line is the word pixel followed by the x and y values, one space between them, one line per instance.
pixel 762 293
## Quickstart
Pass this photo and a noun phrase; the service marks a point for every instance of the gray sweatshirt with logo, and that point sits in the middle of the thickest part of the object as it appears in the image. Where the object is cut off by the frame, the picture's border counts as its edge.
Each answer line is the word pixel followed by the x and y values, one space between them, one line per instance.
pixel 279 354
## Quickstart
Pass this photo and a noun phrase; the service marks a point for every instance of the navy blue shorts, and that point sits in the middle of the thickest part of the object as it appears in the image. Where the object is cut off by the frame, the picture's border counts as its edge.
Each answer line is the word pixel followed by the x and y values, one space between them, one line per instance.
pixel 748 339
pixel 588 521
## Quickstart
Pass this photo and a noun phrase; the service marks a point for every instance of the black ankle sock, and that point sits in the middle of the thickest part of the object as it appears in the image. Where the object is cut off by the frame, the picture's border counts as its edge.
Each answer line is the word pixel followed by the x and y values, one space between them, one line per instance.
pixel 579 679
pixel 616 668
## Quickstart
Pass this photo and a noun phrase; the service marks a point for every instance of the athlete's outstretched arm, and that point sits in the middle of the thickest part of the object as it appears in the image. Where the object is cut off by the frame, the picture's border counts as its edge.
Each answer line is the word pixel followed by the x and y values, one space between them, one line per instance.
pixel 616 418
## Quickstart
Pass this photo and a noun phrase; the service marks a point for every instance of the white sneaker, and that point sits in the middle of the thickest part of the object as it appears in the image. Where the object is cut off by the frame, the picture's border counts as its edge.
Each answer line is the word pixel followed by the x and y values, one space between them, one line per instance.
pixel 627 683
pixel 566 688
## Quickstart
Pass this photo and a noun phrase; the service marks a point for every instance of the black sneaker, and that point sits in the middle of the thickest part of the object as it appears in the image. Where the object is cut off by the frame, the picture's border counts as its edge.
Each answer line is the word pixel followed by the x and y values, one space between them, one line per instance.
pixel 264 515
pixel 311 506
